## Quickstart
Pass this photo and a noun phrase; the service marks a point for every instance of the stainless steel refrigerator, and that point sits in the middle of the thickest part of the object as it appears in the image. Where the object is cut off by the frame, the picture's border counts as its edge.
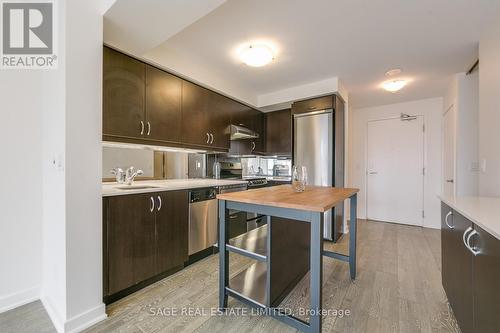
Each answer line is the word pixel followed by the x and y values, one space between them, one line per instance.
pixel 318 145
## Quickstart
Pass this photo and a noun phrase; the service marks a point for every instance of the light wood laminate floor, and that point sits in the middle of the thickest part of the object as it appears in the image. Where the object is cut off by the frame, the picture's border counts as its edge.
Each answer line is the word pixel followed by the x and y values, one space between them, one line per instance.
pixel 398 289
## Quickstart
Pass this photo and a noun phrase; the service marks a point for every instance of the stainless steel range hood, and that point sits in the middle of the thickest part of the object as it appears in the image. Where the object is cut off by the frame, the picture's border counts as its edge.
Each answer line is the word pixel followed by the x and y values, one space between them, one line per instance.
pixel 239 132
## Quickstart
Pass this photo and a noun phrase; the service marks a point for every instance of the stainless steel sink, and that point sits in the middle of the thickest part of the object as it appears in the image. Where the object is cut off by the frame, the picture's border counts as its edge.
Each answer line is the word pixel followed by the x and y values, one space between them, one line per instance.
pixel 136 187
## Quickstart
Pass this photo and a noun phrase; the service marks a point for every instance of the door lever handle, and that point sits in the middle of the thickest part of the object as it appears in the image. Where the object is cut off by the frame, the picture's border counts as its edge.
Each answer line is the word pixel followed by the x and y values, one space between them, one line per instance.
pixel 373 173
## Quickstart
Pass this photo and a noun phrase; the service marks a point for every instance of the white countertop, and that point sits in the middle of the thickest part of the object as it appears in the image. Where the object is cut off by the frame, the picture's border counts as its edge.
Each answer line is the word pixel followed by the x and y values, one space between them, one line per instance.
pixel 483 211
pixel 112 189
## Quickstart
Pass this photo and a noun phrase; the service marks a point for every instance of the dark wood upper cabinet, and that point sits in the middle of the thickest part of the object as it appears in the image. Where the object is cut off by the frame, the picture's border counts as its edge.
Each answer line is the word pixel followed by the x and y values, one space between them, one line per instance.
pixel 241 115
pixel 258 145
pixel 220 108
pixel 486 282
pixel 172 230
pixel 195 114
pixel 163 105
pixel 313 104
pixel 123 94
pixel 144 104
pixel 278 133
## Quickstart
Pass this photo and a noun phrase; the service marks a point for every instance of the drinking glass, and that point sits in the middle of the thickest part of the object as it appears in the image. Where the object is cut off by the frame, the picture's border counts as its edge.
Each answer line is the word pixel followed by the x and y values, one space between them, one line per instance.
pixel 299 179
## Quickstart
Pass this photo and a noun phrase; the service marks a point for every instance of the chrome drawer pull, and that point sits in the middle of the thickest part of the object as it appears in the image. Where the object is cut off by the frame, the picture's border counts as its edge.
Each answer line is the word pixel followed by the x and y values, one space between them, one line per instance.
pixel 474 251
pixel 469 229
pixel 152 204
pixel 450 213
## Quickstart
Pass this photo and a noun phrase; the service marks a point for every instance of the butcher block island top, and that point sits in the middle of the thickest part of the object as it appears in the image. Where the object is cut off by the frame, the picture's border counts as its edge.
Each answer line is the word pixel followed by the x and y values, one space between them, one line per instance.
pixel 314 198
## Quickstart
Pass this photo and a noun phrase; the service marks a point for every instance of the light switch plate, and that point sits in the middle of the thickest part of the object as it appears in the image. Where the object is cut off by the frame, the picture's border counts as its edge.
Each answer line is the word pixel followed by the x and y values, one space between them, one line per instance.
pixel 483 165
pixel 474 166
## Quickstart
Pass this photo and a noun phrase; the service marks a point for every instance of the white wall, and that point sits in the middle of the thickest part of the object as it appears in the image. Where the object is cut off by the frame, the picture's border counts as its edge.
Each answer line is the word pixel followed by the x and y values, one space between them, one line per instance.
pixel 467 134
pixel 72 237
pixel 431 109
pixel 51 224
pixel 83 163
pixel 489 110
pixel 21 188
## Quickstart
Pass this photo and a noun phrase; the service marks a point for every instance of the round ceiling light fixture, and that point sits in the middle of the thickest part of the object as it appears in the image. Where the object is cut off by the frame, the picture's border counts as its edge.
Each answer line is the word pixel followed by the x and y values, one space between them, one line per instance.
pixel 394 85
pixel 256 55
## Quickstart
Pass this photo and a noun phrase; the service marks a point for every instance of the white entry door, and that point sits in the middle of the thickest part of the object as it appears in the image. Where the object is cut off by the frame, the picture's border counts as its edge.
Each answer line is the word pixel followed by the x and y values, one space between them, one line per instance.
pixel 395 170
pixel 449 152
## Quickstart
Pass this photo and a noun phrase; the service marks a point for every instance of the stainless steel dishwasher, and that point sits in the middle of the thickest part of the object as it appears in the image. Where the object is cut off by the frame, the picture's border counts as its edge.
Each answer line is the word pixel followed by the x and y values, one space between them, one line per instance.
pixel 202 219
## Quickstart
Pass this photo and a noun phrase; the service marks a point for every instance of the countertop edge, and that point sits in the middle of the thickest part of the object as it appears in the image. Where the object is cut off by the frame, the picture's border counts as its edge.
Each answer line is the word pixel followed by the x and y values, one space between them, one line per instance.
pixel 319 209
pixel 167 188
pixel 473 214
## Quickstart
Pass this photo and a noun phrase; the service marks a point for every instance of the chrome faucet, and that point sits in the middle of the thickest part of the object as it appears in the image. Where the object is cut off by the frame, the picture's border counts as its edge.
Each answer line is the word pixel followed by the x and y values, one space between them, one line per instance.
pixel 130 175
pixel 126 177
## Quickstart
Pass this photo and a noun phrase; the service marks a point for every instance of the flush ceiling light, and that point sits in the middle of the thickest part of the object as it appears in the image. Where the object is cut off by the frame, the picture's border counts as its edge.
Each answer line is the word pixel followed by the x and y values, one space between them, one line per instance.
pixel 394 85
pixel 256 55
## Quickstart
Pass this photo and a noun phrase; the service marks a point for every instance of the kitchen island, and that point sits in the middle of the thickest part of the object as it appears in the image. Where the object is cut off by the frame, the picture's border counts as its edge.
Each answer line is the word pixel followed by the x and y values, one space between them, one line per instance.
pixel 256 286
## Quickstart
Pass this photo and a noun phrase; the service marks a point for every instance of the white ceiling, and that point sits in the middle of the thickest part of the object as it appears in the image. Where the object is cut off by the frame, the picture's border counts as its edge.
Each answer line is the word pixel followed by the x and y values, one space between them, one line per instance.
pixel 316 41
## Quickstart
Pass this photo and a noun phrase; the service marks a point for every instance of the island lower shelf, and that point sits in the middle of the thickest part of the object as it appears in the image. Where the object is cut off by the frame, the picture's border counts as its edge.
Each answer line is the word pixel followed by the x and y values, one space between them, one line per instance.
pixel 251 283
pixel 281 249
pixel 252 244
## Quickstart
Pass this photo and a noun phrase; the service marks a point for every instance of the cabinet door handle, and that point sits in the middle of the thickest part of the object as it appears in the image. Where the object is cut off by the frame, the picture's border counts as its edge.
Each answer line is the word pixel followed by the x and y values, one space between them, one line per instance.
pixel 471 249
pixel 149 128
pixel 208 138
pixel 159 203
pixel 253 145
pixel 469 229
pixel 152 204
pixel 142 127
pixel 450 213
pixel 212 138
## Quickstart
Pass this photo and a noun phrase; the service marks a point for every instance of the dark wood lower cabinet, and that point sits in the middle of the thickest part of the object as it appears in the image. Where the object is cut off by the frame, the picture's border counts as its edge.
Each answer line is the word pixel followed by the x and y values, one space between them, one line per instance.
pixel 470 281
pixel 144 235
pixel 486 283
pixel 447 266
pixel 172 231
pixel 460 275
pixel 129 224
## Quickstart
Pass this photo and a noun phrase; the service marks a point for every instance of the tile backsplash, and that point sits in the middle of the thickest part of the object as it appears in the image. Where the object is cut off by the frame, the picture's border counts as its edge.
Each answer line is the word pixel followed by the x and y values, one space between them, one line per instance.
pixel 264 166
pixel 125 157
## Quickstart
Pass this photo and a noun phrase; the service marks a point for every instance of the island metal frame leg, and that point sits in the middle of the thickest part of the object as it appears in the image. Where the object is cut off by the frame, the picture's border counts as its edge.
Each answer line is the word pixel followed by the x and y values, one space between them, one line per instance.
pixel 316 259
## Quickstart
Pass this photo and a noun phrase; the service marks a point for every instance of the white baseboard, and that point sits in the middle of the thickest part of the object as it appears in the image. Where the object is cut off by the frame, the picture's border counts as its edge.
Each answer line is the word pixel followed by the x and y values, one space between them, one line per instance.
pixel 77 323
pixel 12 301
pixel 86 319
pixel 54 315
